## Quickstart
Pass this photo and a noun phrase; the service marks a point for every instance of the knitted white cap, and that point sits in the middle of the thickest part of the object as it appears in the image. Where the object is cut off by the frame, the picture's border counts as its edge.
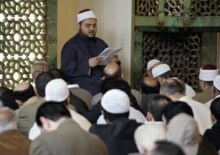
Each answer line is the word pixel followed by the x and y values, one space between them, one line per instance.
pixel 216 82
pixel 56 90
pixel 160 69
pixel 207 75
pixel 115 101
pixel 85 15
pixel 147 134
pixel 151 63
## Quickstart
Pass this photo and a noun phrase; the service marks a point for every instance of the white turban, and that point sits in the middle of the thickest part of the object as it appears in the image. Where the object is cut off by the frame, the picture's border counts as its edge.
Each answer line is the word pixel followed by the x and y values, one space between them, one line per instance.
pixel 85 15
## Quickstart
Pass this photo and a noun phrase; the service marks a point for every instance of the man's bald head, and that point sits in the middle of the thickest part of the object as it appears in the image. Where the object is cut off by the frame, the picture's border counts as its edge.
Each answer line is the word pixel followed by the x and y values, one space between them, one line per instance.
pixel 38 67
pixel 8 120
pixel 112 70
pixel 22 86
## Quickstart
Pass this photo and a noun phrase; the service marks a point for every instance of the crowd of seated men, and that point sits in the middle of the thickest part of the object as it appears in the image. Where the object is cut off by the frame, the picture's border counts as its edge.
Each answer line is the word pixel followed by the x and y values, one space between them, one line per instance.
pixel 48 116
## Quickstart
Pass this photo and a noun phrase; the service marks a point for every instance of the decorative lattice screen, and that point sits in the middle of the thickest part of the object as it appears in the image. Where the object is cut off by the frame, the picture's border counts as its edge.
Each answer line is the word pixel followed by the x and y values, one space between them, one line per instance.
pixel 22 38
pixel 179 50
pixel 176 7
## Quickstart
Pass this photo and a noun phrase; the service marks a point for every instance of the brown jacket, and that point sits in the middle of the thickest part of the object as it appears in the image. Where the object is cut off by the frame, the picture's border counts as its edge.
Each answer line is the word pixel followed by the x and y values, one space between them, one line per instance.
pixel 68 139
pixel 12 142
pixel 204 96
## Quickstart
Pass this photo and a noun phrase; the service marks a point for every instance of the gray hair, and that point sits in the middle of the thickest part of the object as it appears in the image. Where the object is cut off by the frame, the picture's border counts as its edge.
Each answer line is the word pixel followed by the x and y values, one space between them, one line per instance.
pixel 8 119
pixel 172 87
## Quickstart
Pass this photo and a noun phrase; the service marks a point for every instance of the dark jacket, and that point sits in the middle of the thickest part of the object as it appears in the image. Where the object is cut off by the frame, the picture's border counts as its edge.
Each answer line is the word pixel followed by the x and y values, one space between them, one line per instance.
pixel 213 135
pixel 68 139
pixel 74 62
pixel 118 136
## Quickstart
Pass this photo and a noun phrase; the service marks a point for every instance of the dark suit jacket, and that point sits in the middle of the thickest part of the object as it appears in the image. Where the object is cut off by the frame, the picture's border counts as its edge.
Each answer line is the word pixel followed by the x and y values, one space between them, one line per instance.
pixel 12 142
pixel 118 136
pixel 68 139
pixel 213 135
pixel 74 62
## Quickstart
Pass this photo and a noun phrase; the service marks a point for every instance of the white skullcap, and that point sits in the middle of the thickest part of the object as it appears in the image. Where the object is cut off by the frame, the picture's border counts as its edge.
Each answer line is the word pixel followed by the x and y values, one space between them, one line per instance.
pixel 216 82
pixel 160 69
pixel 56 90
pixel 183 130
pixel 85 15
pixel 147 134
pixel 207 75
pixel 151 63
pixel 115 101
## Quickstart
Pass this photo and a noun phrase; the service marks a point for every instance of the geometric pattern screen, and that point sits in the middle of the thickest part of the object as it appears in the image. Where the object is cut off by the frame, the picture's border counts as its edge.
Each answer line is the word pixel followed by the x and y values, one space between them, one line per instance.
pixel 23 27
pixel 176 7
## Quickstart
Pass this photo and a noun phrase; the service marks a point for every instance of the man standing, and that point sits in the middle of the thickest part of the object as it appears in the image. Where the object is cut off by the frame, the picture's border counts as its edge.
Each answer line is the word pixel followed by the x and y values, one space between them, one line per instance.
pixel 79 58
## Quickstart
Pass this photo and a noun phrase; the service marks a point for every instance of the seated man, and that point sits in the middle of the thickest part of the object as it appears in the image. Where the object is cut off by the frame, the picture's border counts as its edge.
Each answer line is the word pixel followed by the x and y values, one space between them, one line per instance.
pixel 207 73
pixel 57 90
pixel 12 142
pixel 147 134
pixel 61 135
pixel 118 133
pixel 213 134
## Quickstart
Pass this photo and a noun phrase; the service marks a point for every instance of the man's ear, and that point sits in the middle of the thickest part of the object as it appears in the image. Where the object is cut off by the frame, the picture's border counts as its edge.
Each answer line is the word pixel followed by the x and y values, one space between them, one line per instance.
pixel 149 117
pixel 213 119
pixel 45 123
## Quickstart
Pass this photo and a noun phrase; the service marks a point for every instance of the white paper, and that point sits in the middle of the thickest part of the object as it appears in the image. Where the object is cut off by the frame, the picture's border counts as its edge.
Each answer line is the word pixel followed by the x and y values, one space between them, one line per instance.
pixel 107 53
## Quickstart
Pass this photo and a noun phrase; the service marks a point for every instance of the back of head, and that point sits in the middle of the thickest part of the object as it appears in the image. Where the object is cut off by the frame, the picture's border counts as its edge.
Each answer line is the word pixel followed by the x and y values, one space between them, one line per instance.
pixel 115 104
pixel 175 108
pixel 208 72
pixel 112 70
pixel 41 82
pixel 156 106
pixel 215 108
pixel 149 85
pixel 57 73
pixel 162 70
pixel 172 87
pixel 147 134
pixel 8 100
pixel 167 148
pixel 120 84
pixel 23 91
pixel 113 83
pixel 8 120
pixel 57 90
pixel 5 90
pixel 183 130
pixel 151 64
pixel 52 111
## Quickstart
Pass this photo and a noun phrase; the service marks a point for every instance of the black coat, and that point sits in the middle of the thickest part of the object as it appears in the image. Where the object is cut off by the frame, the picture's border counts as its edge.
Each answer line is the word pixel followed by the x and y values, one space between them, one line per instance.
pixel 74 62
pixel 118 136
pixel 213 135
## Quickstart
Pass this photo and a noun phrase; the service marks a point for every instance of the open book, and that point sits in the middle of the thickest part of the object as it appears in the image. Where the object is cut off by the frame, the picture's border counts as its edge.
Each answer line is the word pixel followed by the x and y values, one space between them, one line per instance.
pixel 107 53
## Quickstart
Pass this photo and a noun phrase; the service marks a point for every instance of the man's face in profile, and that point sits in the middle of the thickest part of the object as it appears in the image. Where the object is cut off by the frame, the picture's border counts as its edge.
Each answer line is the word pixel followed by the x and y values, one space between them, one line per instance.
pixel 88 27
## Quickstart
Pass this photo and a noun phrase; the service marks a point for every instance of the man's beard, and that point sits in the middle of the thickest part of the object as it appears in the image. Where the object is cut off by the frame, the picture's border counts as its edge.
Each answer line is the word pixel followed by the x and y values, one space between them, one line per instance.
pixel 88 36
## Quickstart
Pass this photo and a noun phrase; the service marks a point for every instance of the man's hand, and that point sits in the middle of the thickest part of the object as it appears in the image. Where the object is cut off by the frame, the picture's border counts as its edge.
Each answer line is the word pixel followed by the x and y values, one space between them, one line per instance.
pixel 94 61
pixel 114 59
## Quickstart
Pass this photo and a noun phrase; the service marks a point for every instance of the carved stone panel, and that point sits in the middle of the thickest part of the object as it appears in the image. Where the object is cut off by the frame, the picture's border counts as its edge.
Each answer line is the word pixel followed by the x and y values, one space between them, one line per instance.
pixel 180 51
pixel 23 27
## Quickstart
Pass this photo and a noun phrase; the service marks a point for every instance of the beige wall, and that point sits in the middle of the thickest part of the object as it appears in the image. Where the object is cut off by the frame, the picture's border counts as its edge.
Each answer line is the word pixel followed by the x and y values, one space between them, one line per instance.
pixel 114 25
